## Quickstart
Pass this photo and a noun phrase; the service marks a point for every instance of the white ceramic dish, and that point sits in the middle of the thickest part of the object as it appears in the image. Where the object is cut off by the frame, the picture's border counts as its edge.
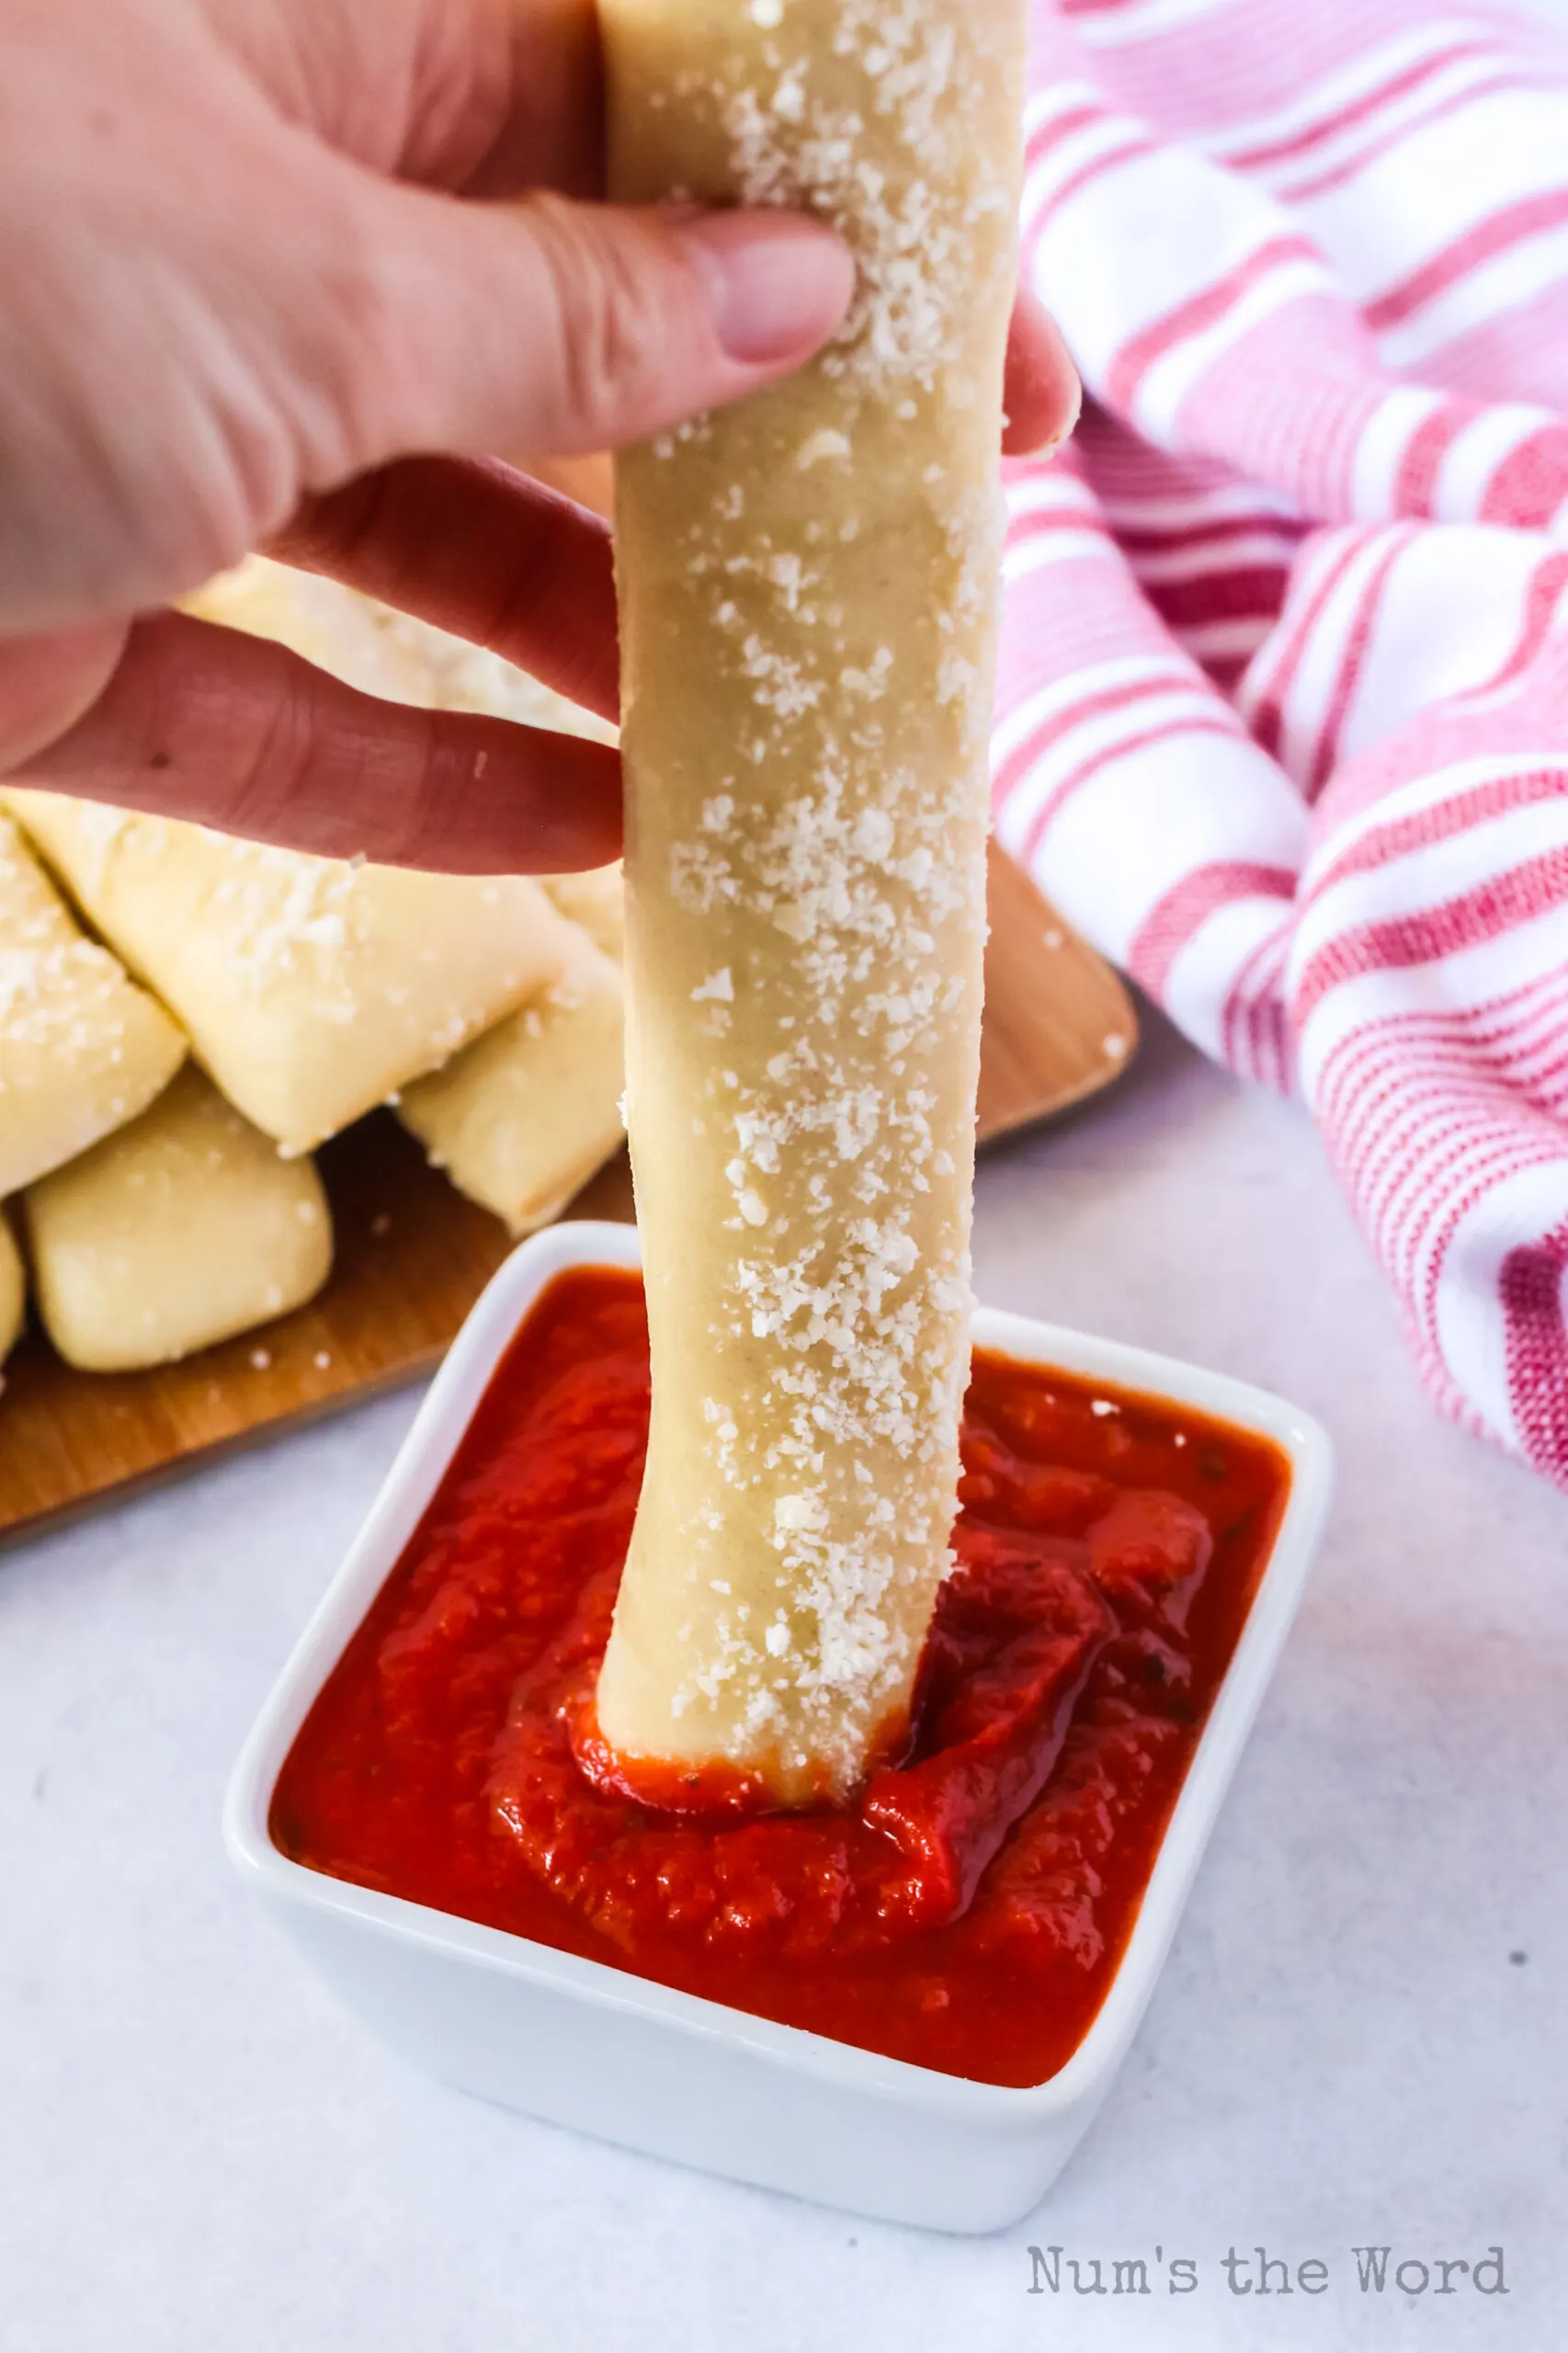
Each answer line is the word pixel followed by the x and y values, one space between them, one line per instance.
pixel 585 2045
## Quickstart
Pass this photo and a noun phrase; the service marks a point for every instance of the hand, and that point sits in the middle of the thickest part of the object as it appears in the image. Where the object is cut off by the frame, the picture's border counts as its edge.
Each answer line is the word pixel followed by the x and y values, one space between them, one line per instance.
pixel 253 254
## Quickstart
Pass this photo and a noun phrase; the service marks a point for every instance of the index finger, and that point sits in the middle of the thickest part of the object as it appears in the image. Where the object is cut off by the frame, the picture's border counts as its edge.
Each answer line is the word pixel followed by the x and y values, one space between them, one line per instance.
pixel 480 97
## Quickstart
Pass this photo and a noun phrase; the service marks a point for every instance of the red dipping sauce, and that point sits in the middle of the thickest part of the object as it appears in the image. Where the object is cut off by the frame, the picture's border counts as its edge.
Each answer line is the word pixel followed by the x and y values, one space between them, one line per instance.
pixel 967 1912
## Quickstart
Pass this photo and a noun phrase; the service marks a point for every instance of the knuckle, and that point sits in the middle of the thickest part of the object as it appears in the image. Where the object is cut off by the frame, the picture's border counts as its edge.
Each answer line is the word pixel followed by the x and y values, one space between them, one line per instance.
pixel 614 299
pixel 349 337
pixel 233 502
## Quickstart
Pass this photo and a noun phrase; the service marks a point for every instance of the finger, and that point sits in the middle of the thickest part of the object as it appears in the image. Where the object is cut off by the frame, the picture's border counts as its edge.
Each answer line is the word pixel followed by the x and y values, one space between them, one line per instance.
pixel 491 97
pixel 552 129
pixel 481 551
pixel 238 733
pixel 1043 392
pixel 48 681
pixel 560 326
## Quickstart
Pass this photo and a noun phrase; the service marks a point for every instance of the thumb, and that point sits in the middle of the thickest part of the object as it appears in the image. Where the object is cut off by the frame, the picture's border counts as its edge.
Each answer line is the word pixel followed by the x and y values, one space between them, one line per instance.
pixel 562 327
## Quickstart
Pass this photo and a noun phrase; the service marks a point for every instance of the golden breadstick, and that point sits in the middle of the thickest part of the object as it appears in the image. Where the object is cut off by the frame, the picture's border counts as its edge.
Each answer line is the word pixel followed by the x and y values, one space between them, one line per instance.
pixel 380 651
pixel 312 989
pixel 81 1048
pixel 597 902
pixel 809 592
pixel 13 1289
pixel 525 1116
pixel 178 1231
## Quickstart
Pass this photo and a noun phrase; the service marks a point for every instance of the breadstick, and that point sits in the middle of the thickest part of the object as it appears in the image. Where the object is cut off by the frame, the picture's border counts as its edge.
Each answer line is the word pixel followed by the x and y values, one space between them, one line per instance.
pixel 597 902
pixel 13 1289
pixel 178 1231
pixel 312 989
pixel 330 625
pixel 382 651
pixel 522 1119
pixel 82 1049
pixel 809 589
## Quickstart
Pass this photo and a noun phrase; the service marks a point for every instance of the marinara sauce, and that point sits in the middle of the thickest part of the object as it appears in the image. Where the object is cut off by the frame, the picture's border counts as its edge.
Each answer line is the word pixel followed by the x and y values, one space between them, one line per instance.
pixel 968 1910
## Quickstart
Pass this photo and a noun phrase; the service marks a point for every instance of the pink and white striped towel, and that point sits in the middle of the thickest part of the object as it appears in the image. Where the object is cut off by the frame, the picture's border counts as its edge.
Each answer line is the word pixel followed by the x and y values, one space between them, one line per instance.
pixel 1284 713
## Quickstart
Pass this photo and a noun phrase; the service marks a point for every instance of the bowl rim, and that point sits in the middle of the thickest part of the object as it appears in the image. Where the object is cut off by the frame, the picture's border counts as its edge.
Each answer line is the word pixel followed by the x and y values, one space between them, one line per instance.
pixel 416 1469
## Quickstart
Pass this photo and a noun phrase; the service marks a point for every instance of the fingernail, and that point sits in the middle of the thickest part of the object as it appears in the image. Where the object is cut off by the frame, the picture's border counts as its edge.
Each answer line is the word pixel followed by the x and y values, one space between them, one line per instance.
pixel 777 286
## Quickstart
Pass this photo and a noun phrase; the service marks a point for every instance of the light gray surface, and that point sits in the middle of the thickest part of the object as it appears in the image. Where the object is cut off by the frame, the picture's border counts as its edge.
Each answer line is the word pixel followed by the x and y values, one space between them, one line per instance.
pixel 197 2155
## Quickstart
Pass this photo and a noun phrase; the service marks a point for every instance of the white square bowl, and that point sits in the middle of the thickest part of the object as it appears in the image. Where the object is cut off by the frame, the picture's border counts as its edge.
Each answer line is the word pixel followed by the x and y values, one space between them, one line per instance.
pixel 586 2045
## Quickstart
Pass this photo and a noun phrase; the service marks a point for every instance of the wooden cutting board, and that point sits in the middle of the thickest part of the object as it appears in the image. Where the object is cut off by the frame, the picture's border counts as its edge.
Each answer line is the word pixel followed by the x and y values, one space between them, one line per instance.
pixel 412 1256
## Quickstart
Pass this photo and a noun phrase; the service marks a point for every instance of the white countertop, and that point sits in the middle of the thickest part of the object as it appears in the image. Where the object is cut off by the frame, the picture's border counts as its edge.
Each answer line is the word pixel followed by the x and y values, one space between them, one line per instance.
pixel 199 2155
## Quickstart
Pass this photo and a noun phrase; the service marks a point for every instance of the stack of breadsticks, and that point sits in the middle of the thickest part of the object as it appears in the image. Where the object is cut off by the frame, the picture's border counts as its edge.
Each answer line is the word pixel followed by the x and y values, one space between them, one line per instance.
pixel 185 1017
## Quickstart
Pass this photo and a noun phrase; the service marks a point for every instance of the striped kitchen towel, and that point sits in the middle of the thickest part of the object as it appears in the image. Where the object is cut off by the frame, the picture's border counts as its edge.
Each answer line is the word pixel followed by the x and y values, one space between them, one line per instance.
pixel 1284 714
